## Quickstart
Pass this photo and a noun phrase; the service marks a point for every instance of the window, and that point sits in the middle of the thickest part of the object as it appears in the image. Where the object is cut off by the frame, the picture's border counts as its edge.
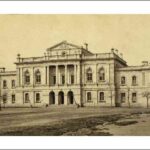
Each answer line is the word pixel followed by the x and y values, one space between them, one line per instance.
pixel 72 79
pixel 13 83
pixel 134 97
pixel 134 80
pixel 101 74
pixel 27 77
pixel 123 80
pixel 4 98
pixel 89 75
pixel 101 97
pixel 13 98
pixel 89 97
pixel 63 79
pixel 27 98
pixel 123 97
pixel 37 77
pixel 37 97
pixel 4 84
pixel 54 80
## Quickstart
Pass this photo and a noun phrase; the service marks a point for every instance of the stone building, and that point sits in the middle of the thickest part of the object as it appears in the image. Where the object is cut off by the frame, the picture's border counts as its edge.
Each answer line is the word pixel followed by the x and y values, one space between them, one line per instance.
pixel 68 74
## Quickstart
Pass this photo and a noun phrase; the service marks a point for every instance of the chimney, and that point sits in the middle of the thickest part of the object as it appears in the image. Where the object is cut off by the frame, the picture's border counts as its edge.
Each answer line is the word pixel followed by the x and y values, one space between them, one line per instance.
pixel 144 63
pixel 18 57
pixel 116 51
pixel 86 46
pixel 112 50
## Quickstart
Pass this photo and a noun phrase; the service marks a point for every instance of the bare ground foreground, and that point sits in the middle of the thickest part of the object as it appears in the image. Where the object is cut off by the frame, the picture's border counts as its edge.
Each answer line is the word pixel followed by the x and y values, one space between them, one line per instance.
pixel 62 120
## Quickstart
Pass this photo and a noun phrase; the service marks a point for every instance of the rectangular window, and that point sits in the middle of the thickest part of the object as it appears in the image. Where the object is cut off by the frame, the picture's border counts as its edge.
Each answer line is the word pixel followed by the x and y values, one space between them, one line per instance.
pixel 101 97
pixel 72 79
pixel 4 84
pixel 13 83
pixel 89 97
pixel 27 100
pixel 13 99
pixel 63 79
pixel 123 97
pixel 38 98
pixel 89 77
pixel 134 97
pixel 4 99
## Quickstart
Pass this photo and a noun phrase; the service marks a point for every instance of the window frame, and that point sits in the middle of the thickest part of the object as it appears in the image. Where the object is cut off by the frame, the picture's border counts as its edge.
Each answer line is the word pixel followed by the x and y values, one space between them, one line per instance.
pixel 27 77
pixel 37 77
pixel 13 84
pixel 89 75
pixel 134 80
pixel 123 80
pixel 101 97
pixel 101 74
pixel 25 98
pixel 37 98
pixel 13 98
pixel 134 98
pixel 123 100
pixel 89 97
pixel 4 84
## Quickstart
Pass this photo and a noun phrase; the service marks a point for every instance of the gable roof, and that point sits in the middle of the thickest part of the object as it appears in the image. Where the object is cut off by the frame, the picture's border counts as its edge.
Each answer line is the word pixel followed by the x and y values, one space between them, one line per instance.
pixel 67 45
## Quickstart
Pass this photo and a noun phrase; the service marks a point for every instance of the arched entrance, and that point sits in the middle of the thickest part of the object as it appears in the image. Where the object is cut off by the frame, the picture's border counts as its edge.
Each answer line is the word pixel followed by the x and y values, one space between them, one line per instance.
pixel 51 98
pixel 70 97
pixel 61 98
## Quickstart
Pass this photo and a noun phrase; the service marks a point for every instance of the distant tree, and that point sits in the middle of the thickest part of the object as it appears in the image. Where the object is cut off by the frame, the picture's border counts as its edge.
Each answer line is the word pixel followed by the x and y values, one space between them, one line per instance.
pixel 147 96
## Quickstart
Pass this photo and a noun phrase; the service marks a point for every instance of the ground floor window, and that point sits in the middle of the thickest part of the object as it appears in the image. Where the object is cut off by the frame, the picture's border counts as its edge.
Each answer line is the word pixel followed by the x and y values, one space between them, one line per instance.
pixel 89 97
pixel 123 97
pixel 101 97
pixel 134 97
pixel 4 98
pixel 27 100
pixel 37 98
pixel 13 98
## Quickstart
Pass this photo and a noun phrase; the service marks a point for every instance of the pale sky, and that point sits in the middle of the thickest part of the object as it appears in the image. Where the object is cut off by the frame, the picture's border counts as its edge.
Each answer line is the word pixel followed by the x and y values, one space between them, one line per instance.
pixel 30 35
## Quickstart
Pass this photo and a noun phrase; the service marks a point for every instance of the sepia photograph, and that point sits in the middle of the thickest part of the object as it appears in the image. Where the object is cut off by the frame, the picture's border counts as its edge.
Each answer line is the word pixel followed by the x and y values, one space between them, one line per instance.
pixel 74 75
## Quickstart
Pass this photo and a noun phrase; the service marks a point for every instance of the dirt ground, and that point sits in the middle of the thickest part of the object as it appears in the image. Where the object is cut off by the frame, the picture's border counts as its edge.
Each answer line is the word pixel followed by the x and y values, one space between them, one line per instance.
pixel 64 120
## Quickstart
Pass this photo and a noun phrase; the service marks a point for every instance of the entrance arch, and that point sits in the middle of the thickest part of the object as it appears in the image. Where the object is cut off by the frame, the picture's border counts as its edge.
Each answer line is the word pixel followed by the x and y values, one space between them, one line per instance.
pixel 51 98
pixel 61 98
pixel 70 97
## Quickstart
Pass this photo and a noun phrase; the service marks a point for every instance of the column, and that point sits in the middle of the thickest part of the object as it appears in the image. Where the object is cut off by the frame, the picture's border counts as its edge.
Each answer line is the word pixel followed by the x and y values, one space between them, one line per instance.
pixel 78 74
pixel 57 76
pixel 66 74
pixel 75 74
pixel 48 75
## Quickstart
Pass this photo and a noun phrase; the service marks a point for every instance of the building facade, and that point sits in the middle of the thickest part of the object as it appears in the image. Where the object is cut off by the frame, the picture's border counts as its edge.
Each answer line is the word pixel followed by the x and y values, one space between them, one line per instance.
pixel 68 74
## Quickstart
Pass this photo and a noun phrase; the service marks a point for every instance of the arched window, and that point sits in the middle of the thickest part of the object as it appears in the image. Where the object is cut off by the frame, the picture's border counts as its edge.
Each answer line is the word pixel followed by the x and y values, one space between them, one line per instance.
pixel 134 80
pixel 101 96
pixel 89 97
pixel 123 80
pixel 27 100
pixel 101 74
pixel 89 74
pixel 37 97
pixel 4 84
pixel 37 77
pixel 27 77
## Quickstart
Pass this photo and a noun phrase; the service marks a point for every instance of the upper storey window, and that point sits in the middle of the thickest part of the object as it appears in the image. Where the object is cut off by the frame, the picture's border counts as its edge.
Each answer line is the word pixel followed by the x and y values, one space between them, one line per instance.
pixel 13 83
pixel 37 77
pixel 101 74
pixel 123 80
pixel 27 77
pixel 89 74
pixel 4 84
pixel 134 80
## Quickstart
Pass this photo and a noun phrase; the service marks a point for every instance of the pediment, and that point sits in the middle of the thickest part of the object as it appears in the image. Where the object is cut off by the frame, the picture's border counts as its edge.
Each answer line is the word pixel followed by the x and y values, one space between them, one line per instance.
pixel 64 46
